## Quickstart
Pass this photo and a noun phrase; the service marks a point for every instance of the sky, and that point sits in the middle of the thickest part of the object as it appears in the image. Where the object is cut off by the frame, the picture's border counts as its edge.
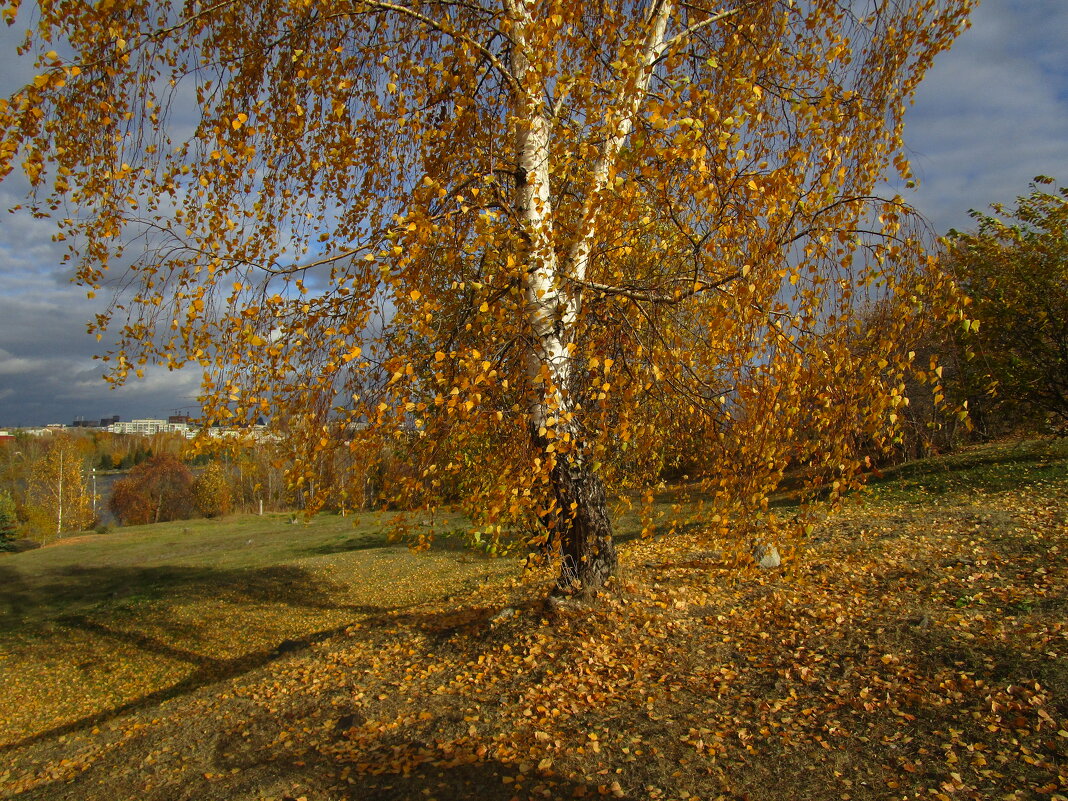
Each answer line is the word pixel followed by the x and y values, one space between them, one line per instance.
pixel 991 115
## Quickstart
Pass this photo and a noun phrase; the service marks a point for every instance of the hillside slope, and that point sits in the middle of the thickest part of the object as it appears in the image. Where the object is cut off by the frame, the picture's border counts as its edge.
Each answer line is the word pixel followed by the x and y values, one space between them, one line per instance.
pixel 917 647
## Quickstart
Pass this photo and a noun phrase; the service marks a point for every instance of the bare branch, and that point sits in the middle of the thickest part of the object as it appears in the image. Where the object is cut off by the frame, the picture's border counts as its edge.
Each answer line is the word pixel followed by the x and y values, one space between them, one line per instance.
pixel 711 20
pixel 457 35
pixel 647 296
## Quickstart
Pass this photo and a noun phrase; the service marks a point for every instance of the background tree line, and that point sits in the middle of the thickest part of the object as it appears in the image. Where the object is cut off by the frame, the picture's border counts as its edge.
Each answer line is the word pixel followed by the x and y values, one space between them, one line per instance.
pixel 47 483
pixel 1007 365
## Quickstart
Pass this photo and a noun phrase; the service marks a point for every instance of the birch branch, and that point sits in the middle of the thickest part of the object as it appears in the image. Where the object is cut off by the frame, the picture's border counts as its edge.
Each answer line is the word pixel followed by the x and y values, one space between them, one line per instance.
pixel 650 296
pixel 460 37
pixel 630 103
pixel 710 20
pixel 656 46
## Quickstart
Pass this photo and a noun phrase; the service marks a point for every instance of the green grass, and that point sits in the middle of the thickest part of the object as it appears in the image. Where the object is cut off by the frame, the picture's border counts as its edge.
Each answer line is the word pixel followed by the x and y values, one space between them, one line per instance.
pixel 147 611
pixel 993 467
pixel 257 557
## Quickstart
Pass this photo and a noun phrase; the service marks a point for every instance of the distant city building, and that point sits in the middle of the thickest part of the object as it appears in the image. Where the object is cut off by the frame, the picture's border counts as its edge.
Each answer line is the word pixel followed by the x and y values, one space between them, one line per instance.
pixel 149 426
pixel 175 424
pixel 81 422
pixel 51 428
pixel 257 433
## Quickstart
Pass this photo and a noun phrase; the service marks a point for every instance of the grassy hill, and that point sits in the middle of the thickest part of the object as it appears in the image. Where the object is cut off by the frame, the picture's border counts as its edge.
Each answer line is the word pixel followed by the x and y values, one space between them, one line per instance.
pixel 916 647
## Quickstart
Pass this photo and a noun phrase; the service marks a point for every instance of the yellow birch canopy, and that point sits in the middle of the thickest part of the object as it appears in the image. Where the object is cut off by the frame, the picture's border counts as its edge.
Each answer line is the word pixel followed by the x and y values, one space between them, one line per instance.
pixel 483 237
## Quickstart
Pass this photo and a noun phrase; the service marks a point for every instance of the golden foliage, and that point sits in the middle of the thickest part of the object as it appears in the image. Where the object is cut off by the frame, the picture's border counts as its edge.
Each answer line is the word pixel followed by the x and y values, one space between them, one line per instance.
pixel 539 237
pixel 211 492
pixel 57 496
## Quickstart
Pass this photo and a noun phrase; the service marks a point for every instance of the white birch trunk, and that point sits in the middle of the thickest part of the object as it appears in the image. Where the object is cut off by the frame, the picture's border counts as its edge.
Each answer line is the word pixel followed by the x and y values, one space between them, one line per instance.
pixel 546 304
pixel 553 302
pixel 59 500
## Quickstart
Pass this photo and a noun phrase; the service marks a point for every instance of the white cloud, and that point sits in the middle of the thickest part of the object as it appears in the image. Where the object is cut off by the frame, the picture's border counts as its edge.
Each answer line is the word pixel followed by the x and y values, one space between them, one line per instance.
pixel 11 365
pixel 993 112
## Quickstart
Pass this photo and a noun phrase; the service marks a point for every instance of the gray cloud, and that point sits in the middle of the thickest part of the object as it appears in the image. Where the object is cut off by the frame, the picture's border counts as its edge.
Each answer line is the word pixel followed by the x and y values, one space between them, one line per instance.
pixel 47 370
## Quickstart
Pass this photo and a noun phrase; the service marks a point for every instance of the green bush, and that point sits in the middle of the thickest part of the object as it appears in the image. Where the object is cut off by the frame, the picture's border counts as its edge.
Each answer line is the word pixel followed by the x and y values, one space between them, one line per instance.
pixel 9 522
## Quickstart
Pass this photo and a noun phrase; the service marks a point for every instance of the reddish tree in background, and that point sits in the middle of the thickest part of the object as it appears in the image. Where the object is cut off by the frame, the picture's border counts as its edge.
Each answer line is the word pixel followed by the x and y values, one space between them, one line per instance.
pixel 157 490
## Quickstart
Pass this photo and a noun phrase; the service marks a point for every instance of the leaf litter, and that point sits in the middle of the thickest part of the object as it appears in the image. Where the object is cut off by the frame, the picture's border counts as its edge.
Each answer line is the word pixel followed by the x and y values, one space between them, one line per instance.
pixel 913 649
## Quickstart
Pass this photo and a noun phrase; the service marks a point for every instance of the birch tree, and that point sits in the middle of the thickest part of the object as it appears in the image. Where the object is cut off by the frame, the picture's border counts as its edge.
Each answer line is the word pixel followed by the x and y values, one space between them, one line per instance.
pixel 58 498
pixel 546 232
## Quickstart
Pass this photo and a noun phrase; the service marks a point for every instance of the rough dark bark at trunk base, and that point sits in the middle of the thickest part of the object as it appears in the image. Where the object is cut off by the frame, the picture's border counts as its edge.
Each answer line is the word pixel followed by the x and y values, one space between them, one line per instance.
pixel 588 553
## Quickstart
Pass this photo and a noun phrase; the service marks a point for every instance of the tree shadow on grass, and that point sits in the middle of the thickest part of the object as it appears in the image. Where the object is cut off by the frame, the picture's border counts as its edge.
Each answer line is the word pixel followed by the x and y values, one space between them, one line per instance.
pixel 29 603
pixel 107 603
pixel 207 670
pixel 485 780
pixel 980 469
pixel 228 762
pixel 343 545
